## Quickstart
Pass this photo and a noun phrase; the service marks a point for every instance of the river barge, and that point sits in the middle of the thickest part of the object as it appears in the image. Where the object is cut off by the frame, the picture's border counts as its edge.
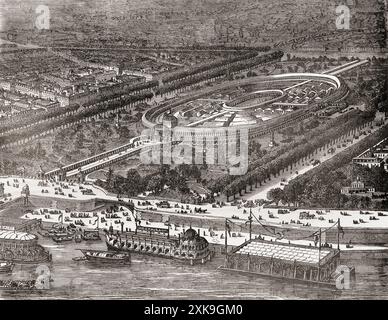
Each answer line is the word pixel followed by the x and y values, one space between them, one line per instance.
pixel 18 286
pixel 316 265
pixel 6 267
pixel 57 230
pixel 22 247
pixel 60 238
pixel 298 263
pixel 189 247
pixel 91 235
pixel 106 257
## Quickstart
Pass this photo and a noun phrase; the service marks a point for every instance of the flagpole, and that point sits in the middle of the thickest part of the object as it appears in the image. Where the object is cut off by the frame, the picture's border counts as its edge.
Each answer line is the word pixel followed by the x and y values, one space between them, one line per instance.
pixel 319 254
pixel 338 232
pixel 250 225
pixel 226 241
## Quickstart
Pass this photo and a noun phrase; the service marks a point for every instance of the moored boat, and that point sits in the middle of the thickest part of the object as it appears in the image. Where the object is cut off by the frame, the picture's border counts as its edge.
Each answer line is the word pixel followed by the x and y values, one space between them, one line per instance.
pixel 91 235
pixel 316 265
pixel 56 230
pixel 18 285
pixel 22 247
pixel 78 238
pixel 78 259
pixel 110 257
pixel 190 247
pixel 63 238
pixel 45 233
pixel 6 267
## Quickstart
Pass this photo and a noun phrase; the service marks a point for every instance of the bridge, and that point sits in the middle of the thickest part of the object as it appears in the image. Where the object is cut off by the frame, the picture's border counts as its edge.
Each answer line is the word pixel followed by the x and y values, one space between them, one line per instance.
pixel 93 165
pixel 104 157
pixel 77 171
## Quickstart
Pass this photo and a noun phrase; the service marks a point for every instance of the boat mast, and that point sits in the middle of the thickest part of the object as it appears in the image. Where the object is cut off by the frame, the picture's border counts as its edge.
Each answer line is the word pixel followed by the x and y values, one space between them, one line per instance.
pixel 319 254
pixel 338 232
pixel 250 224
pixel 226 241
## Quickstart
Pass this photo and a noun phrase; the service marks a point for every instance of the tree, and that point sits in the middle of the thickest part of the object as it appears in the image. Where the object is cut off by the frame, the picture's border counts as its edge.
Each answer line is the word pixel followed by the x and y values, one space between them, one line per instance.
pixel 92 149
pixel 79 140
pixel 164 170
pixel 124 133
pixel 181 185
pixel 354 201
pixel 184 170
pixel 109 177
pixel 275 195
pixel 134 183
pixel 173 178
pixel 106 127
pixel 294 191
pixel 155 184
pixel 189 171
pixel 101 146
pixel 119 185
pixel 195 172
pixel 40 152
pixel 365 202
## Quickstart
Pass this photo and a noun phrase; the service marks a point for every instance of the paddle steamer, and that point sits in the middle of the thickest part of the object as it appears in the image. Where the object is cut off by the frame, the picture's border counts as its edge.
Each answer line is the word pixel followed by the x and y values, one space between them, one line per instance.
pixel 189 247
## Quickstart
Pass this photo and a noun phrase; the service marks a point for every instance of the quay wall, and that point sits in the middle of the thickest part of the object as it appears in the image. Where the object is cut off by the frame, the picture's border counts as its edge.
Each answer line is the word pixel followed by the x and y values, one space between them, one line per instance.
pixel 354 256
pixel 62 204
pixel 366 236
pixel 372 236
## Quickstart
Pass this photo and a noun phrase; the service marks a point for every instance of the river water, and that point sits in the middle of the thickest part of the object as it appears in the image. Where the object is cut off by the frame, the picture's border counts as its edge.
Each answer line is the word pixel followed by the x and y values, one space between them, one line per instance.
pixel 158 278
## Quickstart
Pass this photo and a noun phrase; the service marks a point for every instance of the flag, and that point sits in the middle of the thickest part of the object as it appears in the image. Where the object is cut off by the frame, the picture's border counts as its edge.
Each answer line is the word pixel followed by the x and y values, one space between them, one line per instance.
pixel 341 230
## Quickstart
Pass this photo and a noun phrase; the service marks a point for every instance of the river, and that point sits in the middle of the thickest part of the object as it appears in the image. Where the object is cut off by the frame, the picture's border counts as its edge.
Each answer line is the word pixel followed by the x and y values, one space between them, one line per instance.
pixel 158 278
